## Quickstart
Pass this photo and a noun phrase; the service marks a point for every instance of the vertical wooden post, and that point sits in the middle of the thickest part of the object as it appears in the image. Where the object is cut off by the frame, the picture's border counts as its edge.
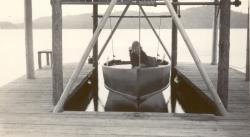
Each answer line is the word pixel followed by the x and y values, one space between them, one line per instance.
pixel 47 58
pixel 30 74
pixel 95 58
pixel 215 34
pixel 224 48
pixel 173 62
pixel 39 60
pixel 248 46
pixel 57 72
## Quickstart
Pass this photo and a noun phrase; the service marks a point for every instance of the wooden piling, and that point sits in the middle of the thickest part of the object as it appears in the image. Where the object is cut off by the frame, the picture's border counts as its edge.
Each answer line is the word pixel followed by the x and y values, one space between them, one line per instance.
pixel 39 60
pixel 215 34
pixel 57 71
pixel 173 61
pixel 248 46
pixel 224 48
pixel 95 58
pixel 30 74
pixel 47 59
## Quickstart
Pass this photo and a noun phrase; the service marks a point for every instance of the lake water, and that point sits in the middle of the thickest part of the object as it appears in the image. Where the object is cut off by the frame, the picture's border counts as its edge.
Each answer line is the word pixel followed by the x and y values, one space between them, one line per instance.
pixel 12 51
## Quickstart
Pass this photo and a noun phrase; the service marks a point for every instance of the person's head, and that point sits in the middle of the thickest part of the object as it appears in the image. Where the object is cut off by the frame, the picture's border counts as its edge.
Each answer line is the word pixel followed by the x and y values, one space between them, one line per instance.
pixel 136 47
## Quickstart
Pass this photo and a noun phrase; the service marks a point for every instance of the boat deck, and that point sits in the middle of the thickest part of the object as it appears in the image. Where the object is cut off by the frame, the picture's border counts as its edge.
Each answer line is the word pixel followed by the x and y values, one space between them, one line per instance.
pixel 25 110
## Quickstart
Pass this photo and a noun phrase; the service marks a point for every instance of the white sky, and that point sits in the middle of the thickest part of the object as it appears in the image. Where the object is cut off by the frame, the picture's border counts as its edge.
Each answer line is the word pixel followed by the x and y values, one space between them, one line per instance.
pixel 13 10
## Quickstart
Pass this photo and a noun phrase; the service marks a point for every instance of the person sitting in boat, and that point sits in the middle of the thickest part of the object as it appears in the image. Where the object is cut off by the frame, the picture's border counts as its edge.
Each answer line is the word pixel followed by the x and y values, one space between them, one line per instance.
pixel 145 61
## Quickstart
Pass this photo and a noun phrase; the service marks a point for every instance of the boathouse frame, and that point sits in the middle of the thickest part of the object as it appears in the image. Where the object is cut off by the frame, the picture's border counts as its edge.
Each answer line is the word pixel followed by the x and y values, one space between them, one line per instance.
pixel 57 73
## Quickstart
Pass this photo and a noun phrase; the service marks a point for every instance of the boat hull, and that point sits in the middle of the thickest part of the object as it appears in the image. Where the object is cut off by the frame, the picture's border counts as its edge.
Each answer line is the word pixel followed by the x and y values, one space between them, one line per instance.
pixel 136 83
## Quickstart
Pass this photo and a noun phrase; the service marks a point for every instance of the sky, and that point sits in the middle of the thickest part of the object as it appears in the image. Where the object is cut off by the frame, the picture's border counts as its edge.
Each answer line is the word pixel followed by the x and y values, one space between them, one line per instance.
pixel 13 10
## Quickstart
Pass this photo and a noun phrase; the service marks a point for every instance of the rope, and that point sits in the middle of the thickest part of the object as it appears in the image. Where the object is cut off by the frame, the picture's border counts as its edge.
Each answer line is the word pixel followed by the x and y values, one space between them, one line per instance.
pixel 112 40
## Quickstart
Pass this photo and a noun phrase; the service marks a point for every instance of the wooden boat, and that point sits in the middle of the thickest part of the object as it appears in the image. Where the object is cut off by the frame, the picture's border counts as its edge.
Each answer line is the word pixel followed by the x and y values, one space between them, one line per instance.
pixel 136 84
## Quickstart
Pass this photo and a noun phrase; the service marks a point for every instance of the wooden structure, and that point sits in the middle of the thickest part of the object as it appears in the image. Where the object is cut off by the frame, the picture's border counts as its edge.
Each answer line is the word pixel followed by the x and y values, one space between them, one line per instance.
pixel 238 99
pixel 222 89
pixel 248 46
pixel 29 39
pixel 57 72
pixel 26 107
pixel 48 54
pixel 196 59
pixel 173 61
pixel 25 110
pixel 95 58
pixel 224 48
pixel 215 34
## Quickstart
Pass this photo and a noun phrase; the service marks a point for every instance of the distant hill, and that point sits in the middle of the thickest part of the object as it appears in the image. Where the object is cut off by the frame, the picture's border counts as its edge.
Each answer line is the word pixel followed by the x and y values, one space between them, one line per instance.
pixel 198 17
pixel 7 25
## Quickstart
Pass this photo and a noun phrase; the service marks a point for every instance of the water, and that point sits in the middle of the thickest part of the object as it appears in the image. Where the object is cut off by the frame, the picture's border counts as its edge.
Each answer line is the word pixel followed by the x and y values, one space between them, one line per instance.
pixel 12 53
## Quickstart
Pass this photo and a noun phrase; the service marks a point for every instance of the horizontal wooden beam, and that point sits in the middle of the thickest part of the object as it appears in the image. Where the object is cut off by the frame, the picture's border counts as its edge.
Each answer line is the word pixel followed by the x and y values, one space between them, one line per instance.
pixel 161 16
pixel 145 3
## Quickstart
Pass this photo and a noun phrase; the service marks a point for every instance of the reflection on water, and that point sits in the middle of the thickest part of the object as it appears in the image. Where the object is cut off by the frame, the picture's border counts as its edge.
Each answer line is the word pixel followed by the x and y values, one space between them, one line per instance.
pixel 103 100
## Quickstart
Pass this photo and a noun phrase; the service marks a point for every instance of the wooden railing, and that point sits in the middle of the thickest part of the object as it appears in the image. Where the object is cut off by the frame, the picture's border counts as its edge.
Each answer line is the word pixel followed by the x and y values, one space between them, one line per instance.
pixel 48 54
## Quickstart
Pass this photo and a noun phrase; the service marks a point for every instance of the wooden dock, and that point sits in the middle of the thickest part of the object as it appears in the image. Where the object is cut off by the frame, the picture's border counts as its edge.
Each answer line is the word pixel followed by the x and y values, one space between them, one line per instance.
pixel 35 95
pixel 26 105
pixel 238 88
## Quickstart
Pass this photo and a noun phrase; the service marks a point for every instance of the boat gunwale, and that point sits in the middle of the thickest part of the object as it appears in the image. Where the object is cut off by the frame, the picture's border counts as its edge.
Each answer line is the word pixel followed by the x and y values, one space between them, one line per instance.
pixel 136 68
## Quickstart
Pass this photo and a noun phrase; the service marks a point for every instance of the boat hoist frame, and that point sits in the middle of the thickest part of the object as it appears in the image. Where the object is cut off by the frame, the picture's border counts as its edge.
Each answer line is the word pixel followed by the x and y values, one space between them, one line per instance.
pixel 67 91
pixel 145 3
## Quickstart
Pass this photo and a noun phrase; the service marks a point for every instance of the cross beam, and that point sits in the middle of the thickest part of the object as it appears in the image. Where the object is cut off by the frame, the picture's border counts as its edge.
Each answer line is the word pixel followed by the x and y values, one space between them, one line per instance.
pixel 144 3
